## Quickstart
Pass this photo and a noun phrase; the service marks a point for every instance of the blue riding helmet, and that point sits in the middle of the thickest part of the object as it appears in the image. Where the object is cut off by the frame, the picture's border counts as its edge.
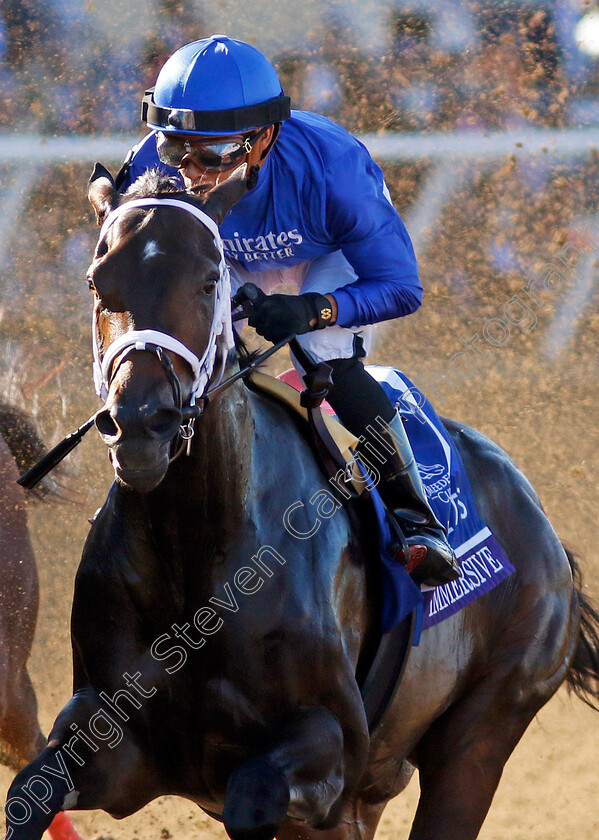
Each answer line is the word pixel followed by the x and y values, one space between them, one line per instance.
pixel 215 86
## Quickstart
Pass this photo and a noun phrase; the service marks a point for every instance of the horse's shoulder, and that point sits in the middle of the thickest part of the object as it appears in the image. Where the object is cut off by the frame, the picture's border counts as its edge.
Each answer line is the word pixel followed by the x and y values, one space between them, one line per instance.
pixel 271 407
pixel 120 583
pixel 279 429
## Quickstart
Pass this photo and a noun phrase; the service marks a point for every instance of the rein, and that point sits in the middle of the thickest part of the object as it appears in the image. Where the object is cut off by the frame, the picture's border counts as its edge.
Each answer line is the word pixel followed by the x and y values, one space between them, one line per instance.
pixel 73 439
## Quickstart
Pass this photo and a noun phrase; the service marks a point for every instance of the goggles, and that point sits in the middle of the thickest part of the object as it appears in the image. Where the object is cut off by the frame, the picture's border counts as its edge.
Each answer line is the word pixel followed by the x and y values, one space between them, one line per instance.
pixel 211 154
pixel 223 123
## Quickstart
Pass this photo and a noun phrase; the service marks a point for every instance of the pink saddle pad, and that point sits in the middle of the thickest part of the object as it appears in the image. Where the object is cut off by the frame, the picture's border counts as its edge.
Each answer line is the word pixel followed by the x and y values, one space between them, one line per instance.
pixel 292 377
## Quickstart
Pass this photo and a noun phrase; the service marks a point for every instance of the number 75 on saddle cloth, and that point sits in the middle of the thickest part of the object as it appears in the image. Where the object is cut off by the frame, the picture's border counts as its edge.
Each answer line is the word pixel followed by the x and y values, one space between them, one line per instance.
pixel 482 561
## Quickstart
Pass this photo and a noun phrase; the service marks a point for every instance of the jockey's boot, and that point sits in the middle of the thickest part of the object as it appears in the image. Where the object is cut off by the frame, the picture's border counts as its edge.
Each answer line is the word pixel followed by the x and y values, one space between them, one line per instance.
pixel 403 493
pixel 358 399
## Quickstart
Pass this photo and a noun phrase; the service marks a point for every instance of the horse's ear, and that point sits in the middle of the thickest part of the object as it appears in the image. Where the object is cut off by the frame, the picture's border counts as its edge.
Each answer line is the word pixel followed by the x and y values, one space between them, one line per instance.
pixel 101 192
pixel 220 199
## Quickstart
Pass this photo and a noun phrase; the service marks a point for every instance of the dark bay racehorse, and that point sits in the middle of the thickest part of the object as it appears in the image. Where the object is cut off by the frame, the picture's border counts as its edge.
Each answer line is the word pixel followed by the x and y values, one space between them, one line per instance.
pixel 214 652
pixel 20 736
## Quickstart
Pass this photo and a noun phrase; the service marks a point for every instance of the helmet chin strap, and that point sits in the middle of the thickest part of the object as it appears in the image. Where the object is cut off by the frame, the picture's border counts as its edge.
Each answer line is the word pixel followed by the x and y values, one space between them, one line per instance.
pixel 252 178
pixel 256 158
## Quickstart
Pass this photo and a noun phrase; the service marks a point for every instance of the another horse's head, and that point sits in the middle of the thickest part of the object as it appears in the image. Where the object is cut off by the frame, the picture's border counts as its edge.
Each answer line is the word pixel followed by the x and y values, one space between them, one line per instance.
pixel 161 314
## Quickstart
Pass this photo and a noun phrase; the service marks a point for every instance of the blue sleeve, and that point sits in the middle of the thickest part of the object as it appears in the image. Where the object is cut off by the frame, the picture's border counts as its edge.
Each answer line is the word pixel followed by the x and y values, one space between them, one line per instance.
pixel 141 158
pixel 374 240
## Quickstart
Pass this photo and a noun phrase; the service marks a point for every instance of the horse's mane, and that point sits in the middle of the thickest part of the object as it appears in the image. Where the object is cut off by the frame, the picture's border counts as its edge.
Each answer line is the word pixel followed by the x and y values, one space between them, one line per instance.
pixel 245 356
pixel 153 183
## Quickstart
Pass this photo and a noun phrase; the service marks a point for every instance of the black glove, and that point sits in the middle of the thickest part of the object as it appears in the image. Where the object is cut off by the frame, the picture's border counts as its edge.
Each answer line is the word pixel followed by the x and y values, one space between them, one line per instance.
pixel 277 316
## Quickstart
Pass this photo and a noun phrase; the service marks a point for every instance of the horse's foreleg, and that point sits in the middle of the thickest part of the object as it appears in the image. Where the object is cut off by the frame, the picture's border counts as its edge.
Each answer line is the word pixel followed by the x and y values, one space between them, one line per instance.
pixel 37 794
pixel 302 776
pixel 91 762
pixel 359 821
pixel 21 740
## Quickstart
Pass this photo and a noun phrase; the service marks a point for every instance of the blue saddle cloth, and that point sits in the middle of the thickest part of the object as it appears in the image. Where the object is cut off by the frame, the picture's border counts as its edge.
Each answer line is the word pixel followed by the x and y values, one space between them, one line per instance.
pixel 482 561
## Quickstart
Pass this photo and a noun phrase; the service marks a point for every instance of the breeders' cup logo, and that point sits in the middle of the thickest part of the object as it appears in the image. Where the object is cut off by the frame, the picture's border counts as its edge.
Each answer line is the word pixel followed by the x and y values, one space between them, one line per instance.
pixel 435 476
pixel 271 246
pixel 437 484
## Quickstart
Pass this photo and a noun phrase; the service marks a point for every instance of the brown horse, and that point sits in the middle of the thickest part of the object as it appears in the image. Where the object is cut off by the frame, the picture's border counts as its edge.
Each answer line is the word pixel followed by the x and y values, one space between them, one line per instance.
pixel 215 653
pixel 20 736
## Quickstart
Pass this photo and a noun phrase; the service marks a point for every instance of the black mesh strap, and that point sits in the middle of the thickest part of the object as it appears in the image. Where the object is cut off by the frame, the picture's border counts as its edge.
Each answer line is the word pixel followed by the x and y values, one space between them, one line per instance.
pixel 233 119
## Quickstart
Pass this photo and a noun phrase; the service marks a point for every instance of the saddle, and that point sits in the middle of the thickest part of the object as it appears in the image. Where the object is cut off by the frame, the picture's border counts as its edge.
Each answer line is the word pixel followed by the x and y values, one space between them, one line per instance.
pixel 334 443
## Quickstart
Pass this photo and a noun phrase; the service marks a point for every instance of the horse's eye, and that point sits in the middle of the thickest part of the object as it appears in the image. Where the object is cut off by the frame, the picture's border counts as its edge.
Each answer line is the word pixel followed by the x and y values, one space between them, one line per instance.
pixel 209 286
pixel 91 285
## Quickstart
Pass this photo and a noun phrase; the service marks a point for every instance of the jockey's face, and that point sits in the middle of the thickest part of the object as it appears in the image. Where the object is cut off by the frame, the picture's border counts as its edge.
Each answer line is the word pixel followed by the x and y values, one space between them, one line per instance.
pixel 206 161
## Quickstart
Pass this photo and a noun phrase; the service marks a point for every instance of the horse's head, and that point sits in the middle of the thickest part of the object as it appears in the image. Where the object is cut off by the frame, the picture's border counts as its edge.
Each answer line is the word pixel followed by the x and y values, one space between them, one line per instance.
pixel 161 315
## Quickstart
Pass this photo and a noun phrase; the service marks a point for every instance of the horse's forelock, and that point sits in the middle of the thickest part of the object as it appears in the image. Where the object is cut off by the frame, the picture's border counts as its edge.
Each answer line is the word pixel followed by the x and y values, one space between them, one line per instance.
pixel 152 183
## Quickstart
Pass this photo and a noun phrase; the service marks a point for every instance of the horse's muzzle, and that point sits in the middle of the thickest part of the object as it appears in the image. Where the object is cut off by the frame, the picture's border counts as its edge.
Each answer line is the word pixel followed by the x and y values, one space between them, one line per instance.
pixel 139 440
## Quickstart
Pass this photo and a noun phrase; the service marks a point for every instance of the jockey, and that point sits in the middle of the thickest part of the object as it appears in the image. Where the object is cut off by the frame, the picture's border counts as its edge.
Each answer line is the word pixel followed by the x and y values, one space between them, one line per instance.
pixel 317 216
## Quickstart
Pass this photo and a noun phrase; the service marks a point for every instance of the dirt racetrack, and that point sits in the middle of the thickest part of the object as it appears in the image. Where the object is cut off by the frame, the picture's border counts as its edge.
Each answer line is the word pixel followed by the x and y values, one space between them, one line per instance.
pixel 544 413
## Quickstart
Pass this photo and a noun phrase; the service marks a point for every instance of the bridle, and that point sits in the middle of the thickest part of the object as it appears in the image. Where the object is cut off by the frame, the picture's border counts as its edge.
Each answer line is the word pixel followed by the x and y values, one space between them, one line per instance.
pixel 205 383
pixel 107 363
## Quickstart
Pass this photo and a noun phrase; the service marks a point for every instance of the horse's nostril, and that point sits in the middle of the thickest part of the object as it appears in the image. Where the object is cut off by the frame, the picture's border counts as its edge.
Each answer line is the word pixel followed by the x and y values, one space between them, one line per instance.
pixel 106 425
pixel 163 421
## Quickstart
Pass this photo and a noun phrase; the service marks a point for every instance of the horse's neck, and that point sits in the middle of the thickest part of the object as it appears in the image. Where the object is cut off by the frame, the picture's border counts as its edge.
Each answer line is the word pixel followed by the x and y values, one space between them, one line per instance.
pixel 227 502
pixel 214 477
